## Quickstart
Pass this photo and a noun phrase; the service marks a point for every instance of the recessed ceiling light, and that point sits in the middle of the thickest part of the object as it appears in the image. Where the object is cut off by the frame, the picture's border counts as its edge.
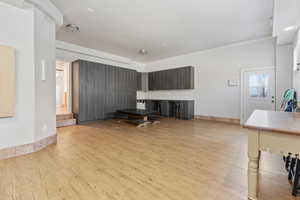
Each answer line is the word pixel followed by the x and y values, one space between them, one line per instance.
pixel 289 28
pixel 91 10
pixel 143 52
pixel 72 28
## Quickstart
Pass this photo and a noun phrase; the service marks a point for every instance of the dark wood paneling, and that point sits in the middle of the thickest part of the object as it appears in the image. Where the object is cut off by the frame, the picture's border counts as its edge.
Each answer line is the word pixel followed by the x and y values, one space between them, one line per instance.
pixel 179 78
pixel 144 82
pixel 110 92
pixel 151 80
pixel 99 90
pixel 139 81
pixel 149 105
pixel 192 78
pixel 165 108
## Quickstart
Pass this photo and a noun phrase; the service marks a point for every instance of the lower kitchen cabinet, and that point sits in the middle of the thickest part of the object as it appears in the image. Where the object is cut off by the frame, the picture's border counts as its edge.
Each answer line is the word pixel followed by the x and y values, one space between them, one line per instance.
pixel 183 109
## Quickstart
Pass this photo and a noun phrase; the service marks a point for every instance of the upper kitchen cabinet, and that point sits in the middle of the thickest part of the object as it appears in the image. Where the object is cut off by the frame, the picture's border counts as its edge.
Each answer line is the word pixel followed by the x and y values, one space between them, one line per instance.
pixel 172 79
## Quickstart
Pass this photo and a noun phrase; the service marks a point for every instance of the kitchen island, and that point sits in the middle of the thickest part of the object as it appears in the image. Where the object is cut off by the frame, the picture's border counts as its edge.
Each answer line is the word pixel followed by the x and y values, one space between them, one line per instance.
pixel 275 132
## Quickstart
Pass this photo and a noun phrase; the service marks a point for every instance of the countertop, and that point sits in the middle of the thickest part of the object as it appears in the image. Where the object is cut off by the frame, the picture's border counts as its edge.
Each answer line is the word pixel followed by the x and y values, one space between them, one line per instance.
pixel 276 121
pixel 165 100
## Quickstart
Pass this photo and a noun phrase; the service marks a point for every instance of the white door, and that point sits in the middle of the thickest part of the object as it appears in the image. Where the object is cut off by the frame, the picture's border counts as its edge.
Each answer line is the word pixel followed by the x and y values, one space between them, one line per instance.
pixel 258 91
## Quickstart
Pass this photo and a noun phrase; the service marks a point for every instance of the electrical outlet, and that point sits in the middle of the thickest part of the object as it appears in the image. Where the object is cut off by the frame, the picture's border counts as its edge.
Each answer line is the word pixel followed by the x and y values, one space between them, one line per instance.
pixel 43 70
pixel 45 128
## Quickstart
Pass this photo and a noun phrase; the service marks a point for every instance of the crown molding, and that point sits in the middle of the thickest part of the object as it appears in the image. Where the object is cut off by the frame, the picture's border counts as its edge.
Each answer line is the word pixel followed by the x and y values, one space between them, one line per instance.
pixel 236 44
pixel 46 6
pixel 16 3
pixel 73 48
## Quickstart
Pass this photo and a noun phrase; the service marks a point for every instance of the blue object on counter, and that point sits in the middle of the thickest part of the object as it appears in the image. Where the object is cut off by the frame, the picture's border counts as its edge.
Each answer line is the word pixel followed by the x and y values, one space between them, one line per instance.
pixel 289 101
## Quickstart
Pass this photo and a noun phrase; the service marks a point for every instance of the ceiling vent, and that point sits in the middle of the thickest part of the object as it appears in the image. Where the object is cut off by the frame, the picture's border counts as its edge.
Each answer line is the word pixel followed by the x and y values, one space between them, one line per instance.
pixel 72 28
pixel 143 52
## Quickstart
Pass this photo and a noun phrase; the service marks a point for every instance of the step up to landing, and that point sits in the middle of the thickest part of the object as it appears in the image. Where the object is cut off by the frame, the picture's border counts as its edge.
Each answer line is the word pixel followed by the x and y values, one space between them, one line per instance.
pixel 66 122
pixel 65 119
pixel 64 116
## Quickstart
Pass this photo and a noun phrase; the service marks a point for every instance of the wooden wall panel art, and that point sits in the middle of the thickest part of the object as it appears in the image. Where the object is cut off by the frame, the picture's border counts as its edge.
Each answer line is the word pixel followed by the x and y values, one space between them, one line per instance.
pixel 7 81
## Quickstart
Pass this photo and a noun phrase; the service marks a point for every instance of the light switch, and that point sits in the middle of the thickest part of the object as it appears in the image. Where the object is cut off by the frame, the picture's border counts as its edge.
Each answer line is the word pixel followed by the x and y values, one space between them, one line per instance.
pixel 43 71
pixel 233 83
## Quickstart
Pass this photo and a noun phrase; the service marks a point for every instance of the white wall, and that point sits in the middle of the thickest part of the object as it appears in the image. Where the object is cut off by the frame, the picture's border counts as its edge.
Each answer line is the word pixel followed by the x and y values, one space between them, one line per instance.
pixel 296 75
pixel 285 14
pixel 212 70
pixel 17 31
pixel 296 72
pixel 32 34
pixel 284 70
pixel 45 104
pixel 297 84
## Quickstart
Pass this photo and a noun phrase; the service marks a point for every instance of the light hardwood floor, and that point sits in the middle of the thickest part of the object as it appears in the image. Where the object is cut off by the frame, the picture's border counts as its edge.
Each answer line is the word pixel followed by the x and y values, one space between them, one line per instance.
pixel 178 160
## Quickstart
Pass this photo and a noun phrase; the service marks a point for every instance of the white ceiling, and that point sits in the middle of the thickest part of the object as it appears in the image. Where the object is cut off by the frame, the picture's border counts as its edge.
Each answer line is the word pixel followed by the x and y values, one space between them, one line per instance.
pixel 287 14
pixel 164 28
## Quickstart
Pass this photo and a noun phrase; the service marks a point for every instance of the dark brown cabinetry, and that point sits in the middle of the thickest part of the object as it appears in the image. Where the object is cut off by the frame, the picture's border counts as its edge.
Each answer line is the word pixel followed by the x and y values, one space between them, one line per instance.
pixel 172 79
pixel 99 90
pixel 139 80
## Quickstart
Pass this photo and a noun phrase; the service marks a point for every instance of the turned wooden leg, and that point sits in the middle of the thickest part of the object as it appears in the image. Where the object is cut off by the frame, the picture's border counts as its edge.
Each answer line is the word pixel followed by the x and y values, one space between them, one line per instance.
pixel 253 165
pixel 253 178
pixel 145 118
